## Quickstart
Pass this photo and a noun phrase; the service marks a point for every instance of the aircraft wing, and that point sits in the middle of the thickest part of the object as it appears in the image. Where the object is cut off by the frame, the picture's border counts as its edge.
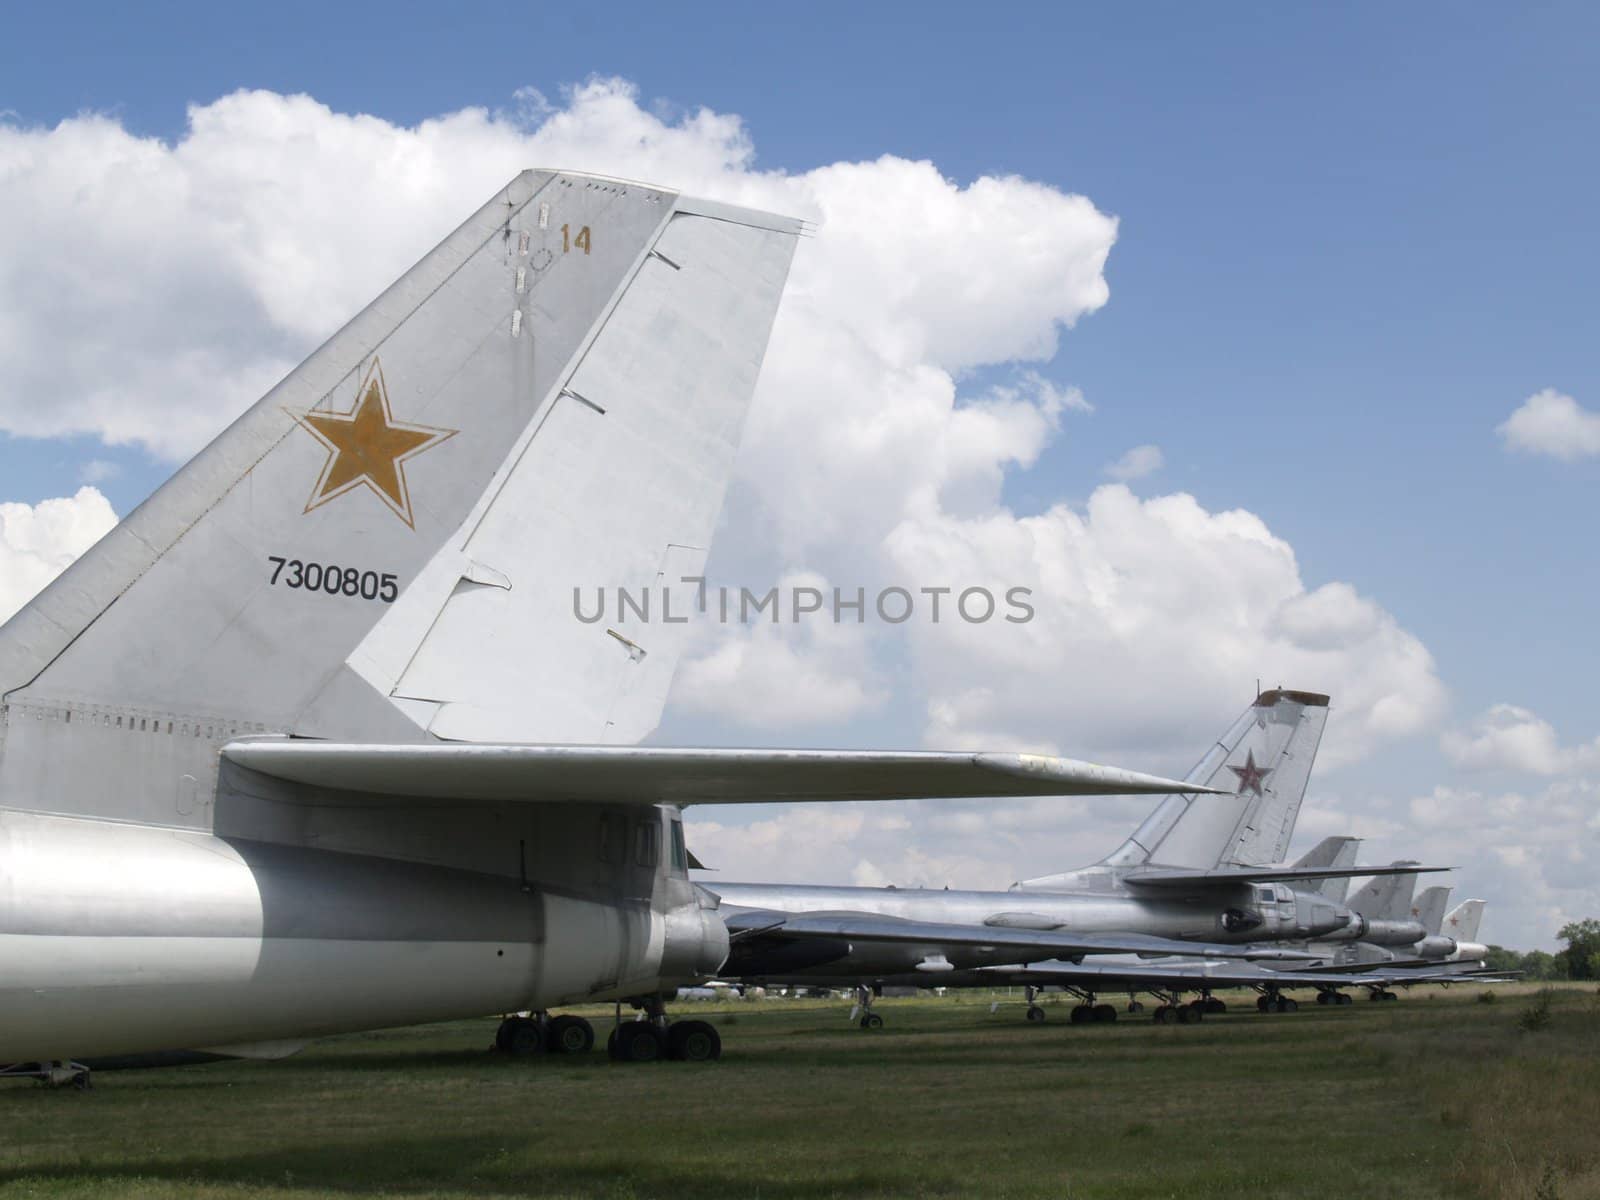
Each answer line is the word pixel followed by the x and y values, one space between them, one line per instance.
pixel 1178 877
pixel 433 771
pixel 871 927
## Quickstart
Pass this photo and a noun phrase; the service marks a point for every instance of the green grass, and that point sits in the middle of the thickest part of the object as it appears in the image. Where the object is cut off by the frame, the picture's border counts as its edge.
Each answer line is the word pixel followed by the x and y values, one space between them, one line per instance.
pixel 1434 1096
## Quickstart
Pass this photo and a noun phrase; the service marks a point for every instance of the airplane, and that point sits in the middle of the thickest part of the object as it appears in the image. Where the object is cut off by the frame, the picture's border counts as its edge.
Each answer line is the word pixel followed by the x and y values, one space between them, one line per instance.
pixel 1440 938
pixel 312 741
pixel 1184 876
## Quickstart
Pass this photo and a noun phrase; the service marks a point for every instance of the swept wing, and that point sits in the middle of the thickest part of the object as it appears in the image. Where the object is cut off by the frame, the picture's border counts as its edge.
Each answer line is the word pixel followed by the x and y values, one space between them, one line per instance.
pixel 654 775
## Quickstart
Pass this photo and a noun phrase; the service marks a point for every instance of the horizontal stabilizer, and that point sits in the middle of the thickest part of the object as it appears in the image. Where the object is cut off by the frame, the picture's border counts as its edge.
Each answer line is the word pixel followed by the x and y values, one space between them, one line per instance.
pixel 1165 878
pixel 670 775
pixel 871 927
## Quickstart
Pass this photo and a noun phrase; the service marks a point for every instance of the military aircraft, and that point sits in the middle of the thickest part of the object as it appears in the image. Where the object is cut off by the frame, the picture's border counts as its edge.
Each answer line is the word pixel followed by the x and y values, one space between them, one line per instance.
pixel 1404 935
pixel 1185 875
pixel 315 740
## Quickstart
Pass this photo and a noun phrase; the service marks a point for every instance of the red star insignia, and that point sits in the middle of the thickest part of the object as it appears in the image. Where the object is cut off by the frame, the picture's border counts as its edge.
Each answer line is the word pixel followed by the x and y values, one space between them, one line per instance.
pixel 1250 775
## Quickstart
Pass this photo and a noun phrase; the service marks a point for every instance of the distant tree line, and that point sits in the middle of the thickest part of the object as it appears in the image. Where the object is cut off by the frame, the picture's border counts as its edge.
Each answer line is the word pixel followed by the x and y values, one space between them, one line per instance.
pixel 1580 960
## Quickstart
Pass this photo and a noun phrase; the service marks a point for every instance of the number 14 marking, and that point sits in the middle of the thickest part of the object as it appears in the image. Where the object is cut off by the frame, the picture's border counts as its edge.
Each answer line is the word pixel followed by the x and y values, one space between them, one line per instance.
pixel 570 243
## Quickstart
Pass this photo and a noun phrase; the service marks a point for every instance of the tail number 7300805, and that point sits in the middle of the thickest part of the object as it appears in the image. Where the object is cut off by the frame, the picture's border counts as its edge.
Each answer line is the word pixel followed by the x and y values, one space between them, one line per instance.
pixel 330 579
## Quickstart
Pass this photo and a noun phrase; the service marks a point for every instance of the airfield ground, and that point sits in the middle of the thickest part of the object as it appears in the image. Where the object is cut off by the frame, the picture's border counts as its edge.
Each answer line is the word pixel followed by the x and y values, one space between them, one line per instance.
pixel 1439 1094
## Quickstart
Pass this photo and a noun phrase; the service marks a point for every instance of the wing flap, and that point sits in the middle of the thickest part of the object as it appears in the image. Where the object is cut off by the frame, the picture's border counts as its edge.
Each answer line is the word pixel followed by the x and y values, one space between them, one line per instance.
pixel 668 775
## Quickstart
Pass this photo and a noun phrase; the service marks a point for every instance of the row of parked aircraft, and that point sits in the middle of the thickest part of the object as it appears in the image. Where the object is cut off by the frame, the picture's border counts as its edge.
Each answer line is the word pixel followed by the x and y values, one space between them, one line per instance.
pixel 1299 931
pixel 312 742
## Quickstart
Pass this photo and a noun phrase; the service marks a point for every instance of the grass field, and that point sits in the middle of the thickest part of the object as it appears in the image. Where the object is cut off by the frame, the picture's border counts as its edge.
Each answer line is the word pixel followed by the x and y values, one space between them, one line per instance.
pixel 1436 1095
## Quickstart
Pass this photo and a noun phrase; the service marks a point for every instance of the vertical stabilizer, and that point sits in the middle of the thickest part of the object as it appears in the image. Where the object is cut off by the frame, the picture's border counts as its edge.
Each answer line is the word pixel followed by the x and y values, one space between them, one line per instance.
pixel 1386 897
pixel 1463 921
pixel 1331 852
pixel 1265 761
pixel 1265 758
pixel 387 546
pixel 1429 908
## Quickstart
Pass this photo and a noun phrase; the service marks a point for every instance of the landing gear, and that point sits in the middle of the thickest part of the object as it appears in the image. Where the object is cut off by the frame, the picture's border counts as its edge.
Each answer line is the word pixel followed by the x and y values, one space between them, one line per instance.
pixel 520 1037
pixel 652 1037
pixel 569 1035
pixel 1035 1013
pixel 862 1013
pixel 1134 1006
pixel 527 1037
pixel 636 1041
pixel 1273 1002
pixel 1211 1005
pixel 1178 1014
pixel 1092 1011
pixel 1172 1009
pixel 1381 994
pixel 693 1041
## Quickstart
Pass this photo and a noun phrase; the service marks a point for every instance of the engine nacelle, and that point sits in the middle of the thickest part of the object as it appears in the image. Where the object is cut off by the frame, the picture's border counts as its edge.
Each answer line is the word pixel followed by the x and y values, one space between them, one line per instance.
pixel 696 943
pixel 1240 920
pixel 1394 933
pixel 1435 946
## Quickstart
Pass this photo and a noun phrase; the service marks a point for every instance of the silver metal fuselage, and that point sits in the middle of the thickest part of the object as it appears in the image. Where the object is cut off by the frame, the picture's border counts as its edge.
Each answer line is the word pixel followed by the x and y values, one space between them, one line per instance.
pixel 123 939
pixel 1197 918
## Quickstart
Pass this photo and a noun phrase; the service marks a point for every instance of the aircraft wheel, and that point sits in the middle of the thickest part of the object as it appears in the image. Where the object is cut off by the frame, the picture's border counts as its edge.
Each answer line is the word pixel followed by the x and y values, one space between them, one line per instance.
pixel 1263 1003
pixel 1187 1014
pixel 1374 996
pixel 1389 996
pixel 570 1035
pixel 1161 1014
pixel 1344 998
pixel 1134 1006
pixel 519 1037
pixel 1082 1013
pixel 1104 1013
pixel 1213 1005
pixel 872 1021
pixel 1324 998
pixel 637 1041
pixel 1035 1013
pixel 693 1041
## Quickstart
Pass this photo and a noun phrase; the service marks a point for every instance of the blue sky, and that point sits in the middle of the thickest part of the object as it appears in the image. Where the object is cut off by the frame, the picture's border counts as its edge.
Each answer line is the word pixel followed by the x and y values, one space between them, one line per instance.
pixel 1352 241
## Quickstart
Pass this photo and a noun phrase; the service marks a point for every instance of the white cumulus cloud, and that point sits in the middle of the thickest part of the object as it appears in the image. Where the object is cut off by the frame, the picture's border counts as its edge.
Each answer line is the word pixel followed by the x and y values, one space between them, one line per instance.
pixel 1511 738
pixel 1137 463
pixel 38 542
pixel 1552 423
pixel 908 377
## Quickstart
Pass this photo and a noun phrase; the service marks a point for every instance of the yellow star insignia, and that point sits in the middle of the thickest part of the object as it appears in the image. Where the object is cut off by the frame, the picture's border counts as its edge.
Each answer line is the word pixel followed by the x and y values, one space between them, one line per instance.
pixel 367 446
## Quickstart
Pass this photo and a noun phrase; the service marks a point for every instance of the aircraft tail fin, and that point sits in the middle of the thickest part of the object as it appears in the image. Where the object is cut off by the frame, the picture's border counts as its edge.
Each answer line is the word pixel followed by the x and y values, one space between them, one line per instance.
pixel 1386 897
pixel 1331 852
pixel 391 544
pixel 1264 760
pixel 1429 907
pixel 1464 920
